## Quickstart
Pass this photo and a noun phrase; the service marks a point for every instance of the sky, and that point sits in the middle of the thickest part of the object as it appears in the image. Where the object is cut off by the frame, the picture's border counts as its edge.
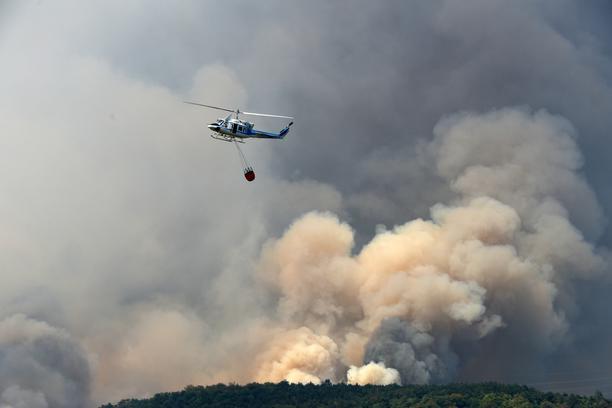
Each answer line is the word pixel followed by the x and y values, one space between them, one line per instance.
pixel 439 211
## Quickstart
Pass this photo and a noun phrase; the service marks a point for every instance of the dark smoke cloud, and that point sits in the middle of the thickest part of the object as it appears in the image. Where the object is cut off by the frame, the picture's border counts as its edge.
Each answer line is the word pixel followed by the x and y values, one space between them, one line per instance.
pixel 41 366
pixel 125 231
pixel 387 73
pixel 398 344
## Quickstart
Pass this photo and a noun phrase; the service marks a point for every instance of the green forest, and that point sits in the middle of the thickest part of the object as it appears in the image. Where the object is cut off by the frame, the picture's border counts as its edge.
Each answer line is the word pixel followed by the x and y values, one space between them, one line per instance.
pixel 284 395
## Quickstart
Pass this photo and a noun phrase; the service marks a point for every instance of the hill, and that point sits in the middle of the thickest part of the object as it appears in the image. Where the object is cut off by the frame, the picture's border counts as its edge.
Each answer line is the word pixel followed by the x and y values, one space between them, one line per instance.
pixel 284 395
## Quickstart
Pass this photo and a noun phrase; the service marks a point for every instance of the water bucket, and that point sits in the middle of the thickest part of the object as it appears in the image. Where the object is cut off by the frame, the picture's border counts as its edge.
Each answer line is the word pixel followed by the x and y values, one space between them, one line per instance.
pixel 249 174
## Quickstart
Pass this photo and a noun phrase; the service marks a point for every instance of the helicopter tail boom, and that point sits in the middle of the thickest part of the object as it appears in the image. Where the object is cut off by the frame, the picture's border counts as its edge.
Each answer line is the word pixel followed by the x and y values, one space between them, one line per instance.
pixel 271 135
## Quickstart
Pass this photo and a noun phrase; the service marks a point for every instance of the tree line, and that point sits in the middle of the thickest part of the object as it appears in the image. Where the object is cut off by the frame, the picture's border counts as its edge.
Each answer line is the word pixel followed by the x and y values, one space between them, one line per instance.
pixel 285 395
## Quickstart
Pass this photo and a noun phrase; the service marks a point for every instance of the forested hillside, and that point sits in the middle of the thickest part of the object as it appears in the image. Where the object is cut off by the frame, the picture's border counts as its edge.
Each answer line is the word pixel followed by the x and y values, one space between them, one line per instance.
pixel 286 395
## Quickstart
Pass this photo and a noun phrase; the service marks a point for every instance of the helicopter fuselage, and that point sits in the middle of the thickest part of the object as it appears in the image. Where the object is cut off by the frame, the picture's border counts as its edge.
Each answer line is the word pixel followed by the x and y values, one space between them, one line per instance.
pixel 230 129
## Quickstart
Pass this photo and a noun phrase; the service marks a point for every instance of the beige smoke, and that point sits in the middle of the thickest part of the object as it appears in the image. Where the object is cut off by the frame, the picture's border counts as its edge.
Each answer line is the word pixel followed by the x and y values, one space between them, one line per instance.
pixel 298 356
pixel 173 336
pixel 498 260
pixel 495 259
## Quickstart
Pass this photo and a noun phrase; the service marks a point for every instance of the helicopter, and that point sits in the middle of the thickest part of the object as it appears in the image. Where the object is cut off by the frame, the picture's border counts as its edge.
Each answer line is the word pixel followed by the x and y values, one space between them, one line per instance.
pixel 233 129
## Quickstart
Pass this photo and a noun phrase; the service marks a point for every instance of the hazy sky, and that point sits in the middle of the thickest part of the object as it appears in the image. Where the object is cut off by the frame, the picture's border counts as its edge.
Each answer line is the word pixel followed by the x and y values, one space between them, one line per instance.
pixel 136 258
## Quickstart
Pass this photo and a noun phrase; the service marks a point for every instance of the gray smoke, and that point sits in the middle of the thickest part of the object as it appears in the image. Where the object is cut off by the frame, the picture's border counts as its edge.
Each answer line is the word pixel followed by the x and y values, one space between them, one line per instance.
pixel 41 366
pixel 125 231
pixel 412 352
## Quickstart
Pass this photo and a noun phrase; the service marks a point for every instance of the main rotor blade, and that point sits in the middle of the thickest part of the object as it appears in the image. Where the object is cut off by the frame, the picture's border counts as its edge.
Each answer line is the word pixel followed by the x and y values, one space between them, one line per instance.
pixel 265 114
pixel 210 106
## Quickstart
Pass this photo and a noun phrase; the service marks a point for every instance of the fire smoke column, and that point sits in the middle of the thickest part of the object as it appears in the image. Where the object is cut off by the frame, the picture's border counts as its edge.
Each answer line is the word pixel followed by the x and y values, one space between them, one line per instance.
pixel 494 265
pixel 298 356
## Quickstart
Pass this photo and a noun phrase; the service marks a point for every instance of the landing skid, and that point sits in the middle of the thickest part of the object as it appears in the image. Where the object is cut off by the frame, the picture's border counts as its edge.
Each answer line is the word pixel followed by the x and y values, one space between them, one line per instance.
pixel 227 138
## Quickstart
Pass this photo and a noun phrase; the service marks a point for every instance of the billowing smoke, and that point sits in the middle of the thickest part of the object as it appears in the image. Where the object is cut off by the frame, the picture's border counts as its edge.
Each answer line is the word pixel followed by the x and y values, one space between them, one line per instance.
pixel 397 344
pixel 438 211
pixel 499 261
pixel 40 366
pixel 372 373
pixel 298 356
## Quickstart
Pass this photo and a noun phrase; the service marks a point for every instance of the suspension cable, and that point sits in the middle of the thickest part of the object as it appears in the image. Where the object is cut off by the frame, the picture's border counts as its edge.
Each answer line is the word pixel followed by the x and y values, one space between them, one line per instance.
pixel 243 159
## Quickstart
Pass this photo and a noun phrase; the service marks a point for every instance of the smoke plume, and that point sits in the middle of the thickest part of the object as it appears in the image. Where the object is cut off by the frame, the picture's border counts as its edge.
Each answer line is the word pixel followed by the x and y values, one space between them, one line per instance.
pixel 41 366
pixel 438 211
pixel 499 261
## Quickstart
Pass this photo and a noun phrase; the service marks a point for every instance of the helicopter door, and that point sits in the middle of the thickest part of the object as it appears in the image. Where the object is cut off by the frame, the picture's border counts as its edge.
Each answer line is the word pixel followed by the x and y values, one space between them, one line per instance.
pixel 234 126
